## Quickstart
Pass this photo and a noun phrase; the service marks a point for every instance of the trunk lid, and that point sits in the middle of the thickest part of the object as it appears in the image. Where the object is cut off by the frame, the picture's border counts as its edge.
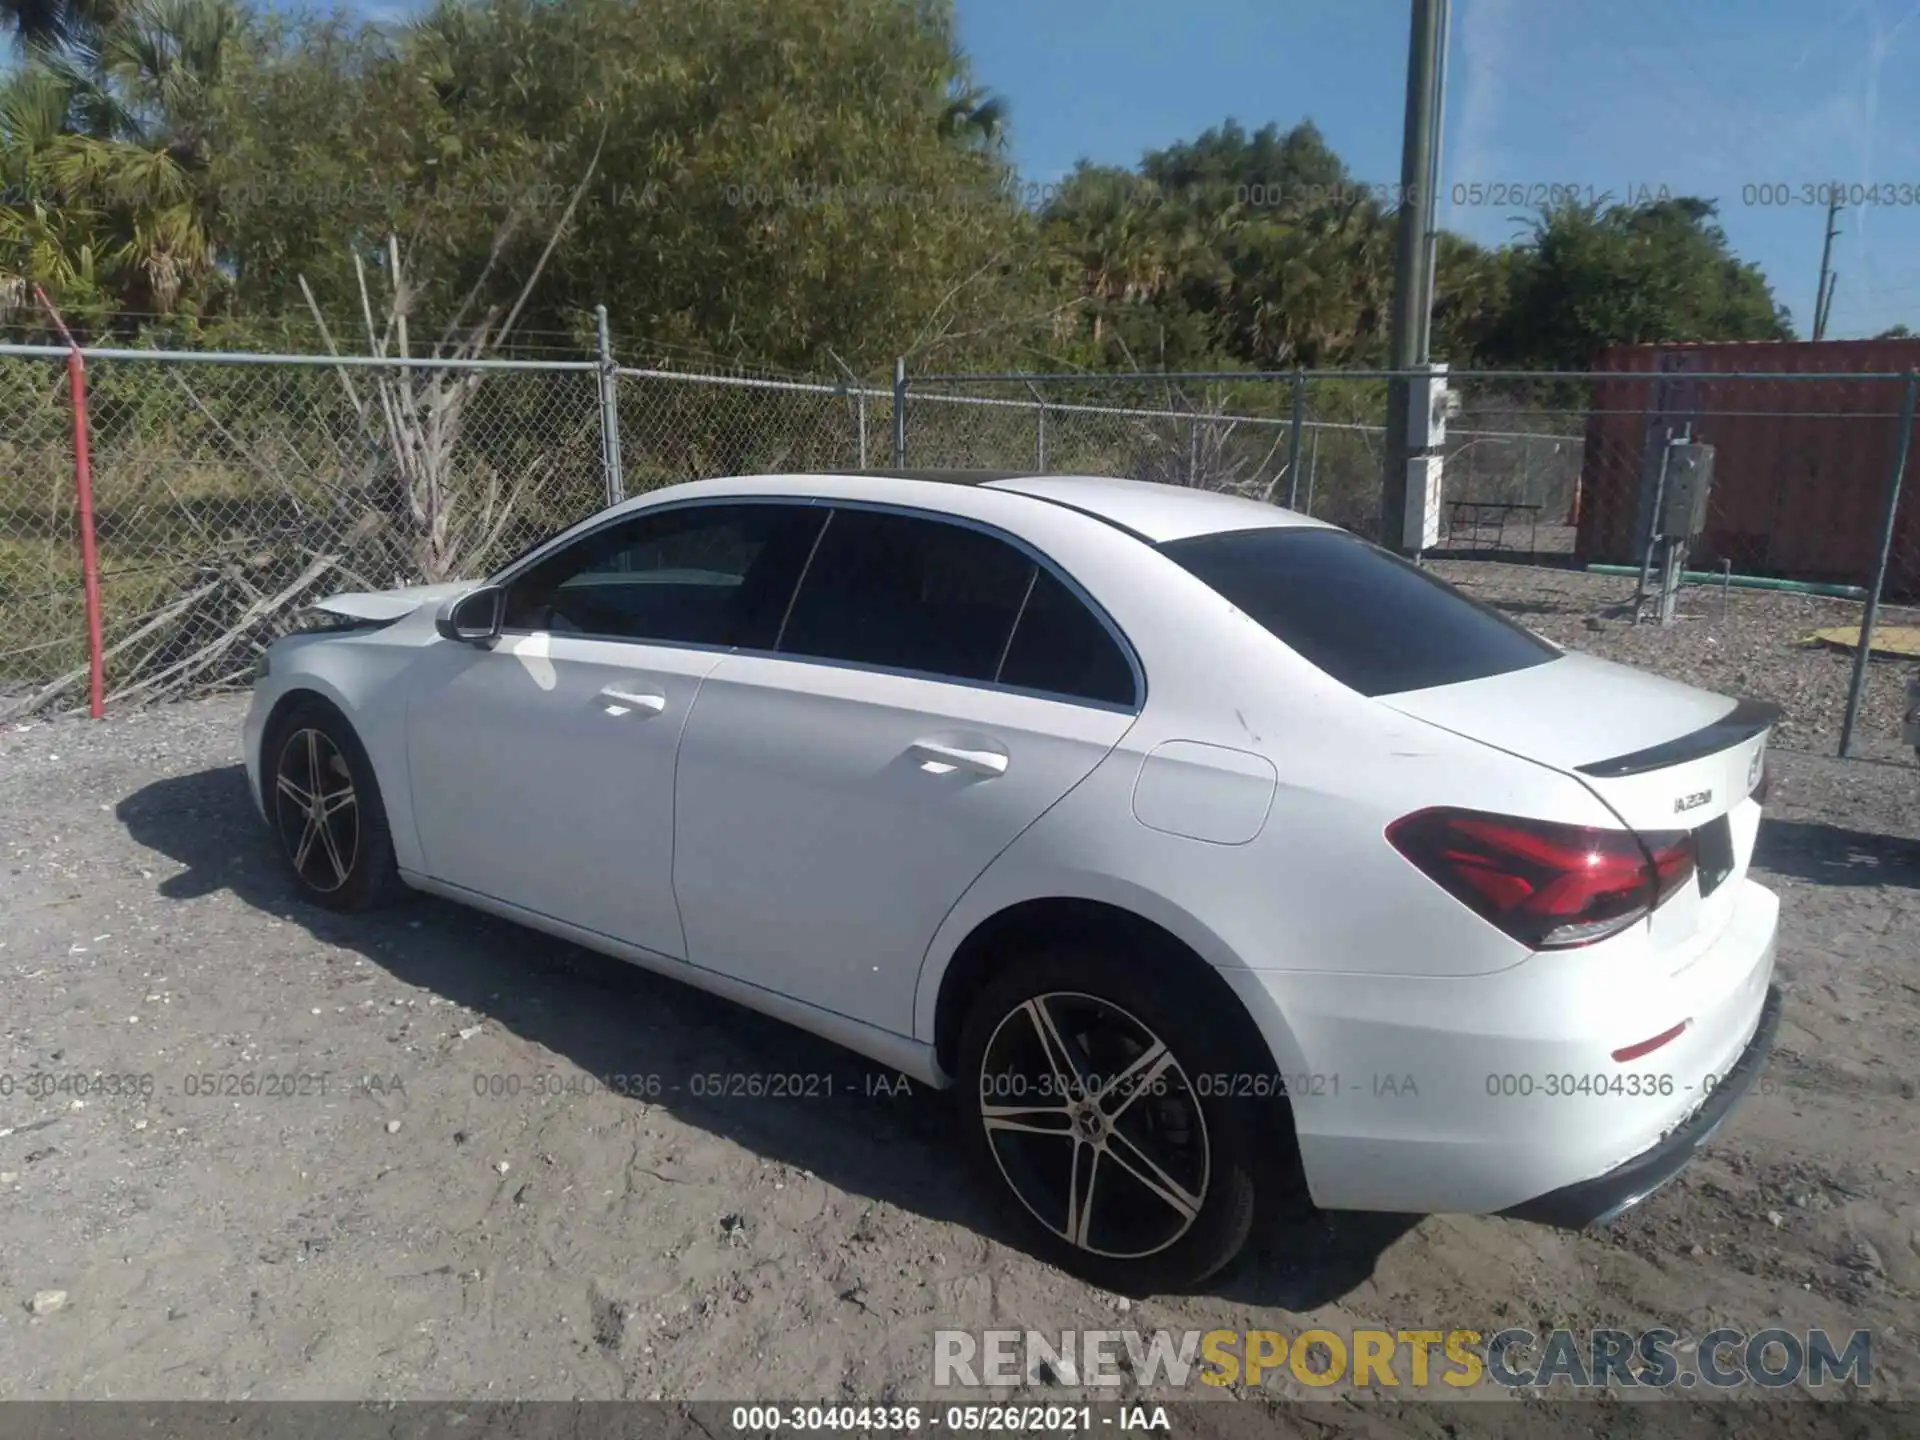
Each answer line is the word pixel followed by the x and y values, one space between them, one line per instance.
pixel 1662 755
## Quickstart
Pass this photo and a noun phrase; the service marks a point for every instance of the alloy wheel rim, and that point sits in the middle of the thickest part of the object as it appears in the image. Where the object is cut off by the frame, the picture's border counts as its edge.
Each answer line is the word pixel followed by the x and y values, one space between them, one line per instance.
pixel 1094 1125
pixel 316 810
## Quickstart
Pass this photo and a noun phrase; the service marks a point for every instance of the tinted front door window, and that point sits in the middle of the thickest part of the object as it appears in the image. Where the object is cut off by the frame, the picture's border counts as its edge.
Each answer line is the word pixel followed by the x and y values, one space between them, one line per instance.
pixel 697 575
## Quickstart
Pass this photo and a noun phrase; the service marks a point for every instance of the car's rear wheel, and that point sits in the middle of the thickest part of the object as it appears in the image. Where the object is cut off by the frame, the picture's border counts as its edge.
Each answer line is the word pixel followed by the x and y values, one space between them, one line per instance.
pixel 1096 1107
pixel 326 810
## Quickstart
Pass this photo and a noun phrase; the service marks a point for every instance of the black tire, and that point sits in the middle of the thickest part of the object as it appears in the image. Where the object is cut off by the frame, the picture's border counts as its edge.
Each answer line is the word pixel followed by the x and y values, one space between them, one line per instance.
pixel 339 855
pixel 1107 1007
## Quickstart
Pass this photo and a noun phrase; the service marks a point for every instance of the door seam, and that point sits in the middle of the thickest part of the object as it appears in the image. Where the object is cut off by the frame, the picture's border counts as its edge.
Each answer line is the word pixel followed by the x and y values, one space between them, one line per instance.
pixel 920 975
pixel 673 806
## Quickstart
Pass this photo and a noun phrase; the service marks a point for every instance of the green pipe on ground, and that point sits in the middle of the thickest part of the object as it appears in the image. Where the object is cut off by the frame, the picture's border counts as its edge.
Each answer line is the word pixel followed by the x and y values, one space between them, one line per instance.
pixel 1745 582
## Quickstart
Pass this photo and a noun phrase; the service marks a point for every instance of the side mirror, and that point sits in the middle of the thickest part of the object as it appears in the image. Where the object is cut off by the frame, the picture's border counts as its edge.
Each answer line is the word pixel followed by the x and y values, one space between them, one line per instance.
pixel 473 618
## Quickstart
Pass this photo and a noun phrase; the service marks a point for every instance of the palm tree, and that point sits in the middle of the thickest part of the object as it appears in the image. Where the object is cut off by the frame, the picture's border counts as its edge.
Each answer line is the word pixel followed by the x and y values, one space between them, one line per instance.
pixel 42 24
pixel 1127 245
pixel 973 117
pixel 45 235
pixel 108 138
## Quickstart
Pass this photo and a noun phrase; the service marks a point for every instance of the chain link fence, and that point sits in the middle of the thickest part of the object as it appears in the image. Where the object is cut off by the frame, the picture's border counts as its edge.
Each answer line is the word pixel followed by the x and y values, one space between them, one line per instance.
pixel 1807 514
pixel 42 619
pixel 1316 443
pixel 231 490
pixel 227 492
pixel 676 426
pixel 1804 470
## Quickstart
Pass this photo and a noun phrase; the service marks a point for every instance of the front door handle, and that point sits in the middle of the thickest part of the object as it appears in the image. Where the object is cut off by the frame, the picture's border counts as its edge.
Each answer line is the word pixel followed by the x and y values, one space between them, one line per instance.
pixel 945 758
pixel 639 704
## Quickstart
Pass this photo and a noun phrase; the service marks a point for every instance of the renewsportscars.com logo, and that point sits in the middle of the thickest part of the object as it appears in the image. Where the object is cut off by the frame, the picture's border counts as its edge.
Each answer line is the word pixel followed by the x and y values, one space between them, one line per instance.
pixel 1449 1360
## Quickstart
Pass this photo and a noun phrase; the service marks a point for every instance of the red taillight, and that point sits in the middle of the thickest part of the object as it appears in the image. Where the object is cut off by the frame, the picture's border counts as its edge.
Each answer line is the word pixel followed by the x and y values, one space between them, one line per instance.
pixel 1549 886
pixel 1673 858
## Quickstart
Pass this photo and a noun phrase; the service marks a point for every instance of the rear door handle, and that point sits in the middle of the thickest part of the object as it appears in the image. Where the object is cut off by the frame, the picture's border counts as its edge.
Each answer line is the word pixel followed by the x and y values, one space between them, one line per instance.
pixel 640 704
pixel 933 754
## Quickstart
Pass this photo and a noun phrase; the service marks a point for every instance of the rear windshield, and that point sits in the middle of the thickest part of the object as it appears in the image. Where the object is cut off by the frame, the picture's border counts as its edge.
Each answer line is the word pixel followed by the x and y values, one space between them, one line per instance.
pixel 1371 620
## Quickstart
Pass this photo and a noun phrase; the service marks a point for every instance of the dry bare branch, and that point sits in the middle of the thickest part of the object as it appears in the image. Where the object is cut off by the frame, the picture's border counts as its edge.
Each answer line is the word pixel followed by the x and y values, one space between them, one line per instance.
pixel 184 669
pixel 58 687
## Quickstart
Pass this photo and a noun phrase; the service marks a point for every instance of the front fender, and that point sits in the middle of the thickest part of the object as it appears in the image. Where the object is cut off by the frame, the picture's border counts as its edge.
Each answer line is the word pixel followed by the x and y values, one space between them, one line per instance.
pixel 363 677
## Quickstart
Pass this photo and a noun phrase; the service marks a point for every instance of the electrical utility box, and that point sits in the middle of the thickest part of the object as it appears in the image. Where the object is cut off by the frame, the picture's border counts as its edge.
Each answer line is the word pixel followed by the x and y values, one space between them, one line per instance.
pixel 1683 505
pixel 1425 480
pixel 1429 403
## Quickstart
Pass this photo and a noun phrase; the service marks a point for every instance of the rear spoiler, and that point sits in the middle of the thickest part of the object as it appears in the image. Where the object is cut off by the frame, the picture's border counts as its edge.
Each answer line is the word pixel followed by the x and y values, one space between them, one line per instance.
pixel 1747 719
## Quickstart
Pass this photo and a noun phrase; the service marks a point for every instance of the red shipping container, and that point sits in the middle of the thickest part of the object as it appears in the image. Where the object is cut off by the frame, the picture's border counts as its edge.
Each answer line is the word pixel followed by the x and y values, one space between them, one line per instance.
pixel 1801 467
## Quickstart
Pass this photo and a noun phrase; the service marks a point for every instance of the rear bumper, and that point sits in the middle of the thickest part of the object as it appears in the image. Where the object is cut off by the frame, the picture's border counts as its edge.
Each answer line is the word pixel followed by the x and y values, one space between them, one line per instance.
pixel 1481 1095
pixel 1606 1197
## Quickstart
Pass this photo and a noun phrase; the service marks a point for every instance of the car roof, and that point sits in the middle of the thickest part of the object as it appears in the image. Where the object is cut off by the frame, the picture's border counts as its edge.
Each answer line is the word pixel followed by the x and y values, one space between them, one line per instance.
pixel 1156 511
pixel 1150 510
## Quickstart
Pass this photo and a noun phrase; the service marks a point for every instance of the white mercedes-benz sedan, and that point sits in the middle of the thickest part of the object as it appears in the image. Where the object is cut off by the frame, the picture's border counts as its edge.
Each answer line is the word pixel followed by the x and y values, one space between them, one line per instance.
pixel 1220 861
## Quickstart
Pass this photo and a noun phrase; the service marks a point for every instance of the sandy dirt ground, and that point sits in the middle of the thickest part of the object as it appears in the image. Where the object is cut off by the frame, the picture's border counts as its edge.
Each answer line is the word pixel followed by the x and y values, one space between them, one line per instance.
pixel 439 1199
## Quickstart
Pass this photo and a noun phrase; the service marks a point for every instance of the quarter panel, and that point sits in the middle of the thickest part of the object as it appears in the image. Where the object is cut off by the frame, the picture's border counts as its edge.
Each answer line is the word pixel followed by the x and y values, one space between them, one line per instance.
pixel 1204 792
pixel 1319 890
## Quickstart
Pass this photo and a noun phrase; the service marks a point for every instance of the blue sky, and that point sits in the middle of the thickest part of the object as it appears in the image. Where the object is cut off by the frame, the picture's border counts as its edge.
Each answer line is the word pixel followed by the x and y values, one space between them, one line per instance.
pixel 1743 101
pixel 1707 97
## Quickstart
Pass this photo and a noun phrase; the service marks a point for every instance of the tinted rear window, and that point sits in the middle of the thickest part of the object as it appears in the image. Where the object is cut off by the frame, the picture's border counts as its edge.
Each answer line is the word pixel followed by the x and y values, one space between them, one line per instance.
pixel 1371 620
pixel 1058 646
pixel 908 594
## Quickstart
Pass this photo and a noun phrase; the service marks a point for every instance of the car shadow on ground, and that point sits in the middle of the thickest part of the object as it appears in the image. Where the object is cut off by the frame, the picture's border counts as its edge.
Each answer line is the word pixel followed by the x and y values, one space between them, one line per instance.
pixel 859 1127
pixel 1832 855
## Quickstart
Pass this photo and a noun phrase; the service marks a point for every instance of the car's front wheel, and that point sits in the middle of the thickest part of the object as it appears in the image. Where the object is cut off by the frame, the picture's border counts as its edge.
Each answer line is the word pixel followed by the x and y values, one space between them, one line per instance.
pixel 326 810
pixel 1102 1112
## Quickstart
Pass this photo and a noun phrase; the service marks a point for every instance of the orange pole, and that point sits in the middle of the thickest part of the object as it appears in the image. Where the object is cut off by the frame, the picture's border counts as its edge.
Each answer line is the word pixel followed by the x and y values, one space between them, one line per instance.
pixel 83 489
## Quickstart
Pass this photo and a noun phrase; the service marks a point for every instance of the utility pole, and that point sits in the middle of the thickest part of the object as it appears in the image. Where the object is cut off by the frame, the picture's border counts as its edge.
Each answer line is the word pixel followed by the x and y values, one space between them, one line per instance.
pixel 1413 275
pixel 1432 182
pixel 1823 292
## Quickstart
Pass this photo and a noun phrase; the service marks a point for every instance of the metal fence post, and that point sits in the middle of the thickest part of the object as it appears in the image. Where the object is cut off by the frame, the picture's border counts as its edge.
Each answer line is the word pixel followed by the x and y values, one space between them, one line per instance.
pixel 1653 524
pixel 610 464
pixel 1039 431
pixel 1865 652
pixel 900 412
pixel 851 385
pixel 1293 440
pixel 83 497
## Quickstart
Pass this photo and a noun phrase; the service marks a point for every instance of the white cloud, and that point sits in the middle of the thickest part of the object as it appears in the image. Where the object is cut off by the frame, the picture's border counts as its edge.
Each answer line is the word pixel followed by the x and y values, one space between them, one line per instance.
pixel 1481 50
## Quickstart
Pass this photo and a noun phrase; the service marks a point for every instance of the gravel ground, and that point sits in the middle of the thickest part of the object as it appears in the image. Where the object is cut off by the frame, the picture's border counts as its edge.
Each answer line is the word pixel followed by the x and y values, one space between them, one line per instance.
pixel 398 1230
